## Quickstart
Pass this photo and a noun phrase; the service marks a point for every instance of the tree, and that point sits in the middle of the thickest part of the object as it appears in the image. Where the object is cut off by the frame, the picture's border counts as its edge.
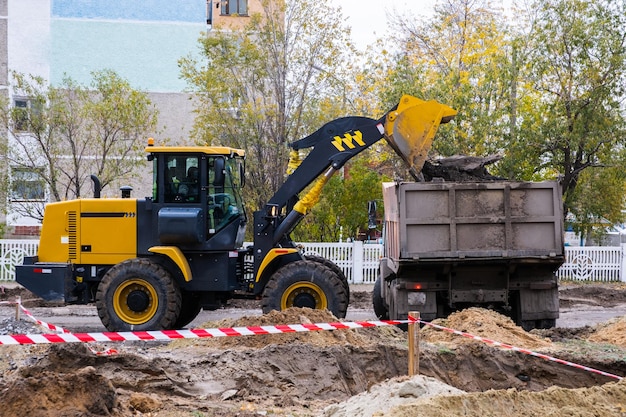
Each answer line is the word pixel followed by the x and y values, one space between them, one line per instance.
pixel 459 56
pixel 279 80
pixel 572 119
pixel 546 94
pixel 598 199
pixel 64 133
pixel 343 209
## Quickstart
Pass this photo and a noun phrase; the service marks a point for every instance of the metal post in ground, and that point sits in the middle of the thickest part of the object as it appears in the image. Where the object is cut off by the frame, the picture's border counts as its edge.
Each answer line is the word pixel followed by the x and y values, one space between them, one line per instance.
pixel 18 301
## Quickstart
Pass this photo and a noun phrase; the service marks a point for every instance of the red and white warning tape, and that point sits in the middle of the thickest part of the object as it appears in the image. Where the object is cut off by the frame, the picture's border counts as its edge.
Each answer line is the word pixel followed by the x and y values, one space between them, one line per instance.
pixel 61 330
pixel 64 336
pixel 23 339
pixel 521 350
pixel 48 326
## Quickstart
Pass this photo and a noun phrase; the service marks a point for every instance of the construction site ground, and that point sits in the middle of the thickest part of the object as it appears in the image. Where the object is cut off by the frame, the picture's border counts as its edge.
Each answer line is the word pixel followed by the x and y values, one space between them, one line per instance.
pixel 360 372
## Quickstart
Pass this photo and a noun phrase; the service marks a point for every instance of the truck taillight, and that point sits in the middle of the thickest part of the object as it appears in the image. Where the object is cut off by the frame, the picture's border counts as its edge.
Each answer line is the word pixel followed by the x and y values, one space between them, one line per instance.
pixel 42 270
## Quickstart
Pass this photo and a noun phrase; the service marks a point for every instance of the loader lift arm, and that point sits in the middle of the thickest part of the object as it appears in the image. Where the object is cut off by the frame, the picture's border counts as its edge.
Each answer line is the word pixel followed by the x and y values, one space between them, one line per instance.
pixel 333 145
pixel 409 129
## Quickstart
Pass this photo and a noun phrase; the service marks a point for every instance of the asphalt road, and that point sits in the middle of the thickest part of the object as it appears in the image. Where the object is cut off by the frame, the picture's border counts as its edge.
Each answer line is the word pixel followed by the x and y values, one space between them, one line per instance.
pixel 84 318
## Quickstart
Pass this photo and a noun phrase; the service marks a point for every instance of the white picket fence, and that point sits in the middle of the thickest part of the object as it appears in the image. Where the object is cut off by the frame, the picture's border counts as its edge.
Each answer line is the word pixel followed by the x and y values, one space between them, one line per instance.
pixel 594 263
pixel 12 252
pixel 359 260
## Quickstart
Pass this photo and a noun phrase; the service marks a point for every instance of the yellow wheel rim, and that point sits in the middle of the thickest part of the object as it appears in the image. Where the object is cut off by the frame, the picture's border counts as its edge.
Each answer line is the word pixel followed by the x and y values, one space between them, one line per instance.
pixel 304 294
pixel 135 301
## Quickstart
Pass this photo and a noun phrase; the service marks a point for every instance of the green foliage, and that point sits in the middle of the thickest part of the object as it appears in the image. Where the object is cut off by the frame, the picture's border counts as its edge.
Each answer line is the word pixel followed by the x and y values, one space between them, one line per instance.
pixel 342 210
pixel 279 80
pixel 459 58
pixel 546 94
pixel 597 200
pixel 70 131
pixel 572 120
pixel 118 117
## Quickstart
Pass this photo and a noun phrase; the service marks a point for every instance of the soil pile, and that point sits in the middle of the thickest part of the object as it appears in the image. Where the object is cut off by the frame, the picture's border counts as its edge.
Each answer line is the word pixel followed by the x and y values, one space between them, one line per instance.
pixel 323 373
pixel 605 400
pixel 384 396
pixel 355 337
pixel 43 393
pixel 612 332
pixel 484 323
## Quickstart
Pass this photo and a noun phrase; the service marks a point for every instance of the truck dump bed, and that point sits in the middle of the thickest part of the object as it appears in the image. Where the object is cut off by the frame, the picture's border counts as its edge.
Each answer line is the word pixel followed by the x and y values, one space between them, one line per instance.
pixel 435 221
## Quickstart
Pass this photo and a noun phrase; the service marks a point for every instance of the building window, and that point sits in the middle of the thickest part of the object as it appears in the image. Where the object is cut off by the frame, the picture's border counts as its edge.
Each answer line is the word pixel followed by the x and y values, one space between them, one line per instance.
pixel 235 7
pixel 20 117
pixel 25 112
pixel 27 185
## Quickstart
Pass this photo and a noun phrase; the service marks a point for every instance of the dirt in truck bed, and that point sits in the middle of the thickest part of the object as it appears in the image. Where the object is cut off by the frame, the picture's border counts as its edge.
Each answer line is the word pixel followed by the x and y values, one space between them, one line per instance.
pixel 360 372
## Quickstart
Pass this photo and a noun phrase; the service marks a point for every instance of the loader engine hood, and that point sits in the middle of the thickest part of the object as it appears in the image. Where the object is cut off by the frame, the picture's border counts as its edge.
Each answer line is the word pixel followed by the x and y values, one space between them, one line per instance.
pixel 411 128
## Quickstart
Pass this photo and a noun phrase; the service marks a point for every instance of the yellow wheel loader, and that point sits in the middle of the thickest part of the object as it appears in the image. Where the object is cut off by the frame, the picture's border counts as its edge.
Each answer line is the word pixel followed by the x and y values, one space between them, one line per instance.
pixel 153 263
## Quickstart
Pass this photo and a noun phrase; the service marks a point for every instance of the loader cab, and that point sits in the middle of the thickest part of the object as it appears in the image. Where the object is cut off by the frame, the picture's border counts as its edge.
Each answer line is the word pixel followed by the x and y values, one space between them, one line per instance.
pixel 197 196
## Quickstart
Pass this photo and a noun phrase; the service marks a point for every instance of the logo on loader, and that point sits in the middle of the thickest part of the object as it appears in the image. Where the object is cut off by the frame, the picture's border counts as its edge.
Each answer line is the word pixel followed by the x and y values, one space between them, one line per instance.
pixel 348 140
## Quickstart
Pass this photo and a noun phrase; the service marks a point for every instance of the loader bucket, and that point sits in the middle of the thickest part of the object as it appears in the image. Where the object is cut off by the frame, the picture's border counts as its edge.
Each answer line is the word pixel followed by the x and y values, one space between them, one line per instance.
pixel 411 128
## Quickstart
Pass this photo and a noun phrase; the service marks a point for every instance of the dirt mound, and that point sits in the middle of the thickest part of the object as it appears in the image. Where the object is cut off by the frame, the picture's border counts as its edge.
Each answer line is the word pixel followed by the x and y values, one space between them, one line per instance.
pixel 52 394
pixel 600 294
pixel 605 400
pixel 356 337
pixel 386 395
pixel 612 332
pixel 339 373
pixel 484 323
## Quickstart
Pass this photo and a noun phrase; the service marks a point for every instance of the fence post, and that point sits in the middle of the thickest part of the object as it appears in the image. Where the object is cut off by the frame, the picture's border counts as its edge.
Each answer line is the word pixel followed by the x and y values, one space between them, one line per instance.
pixel 357 262
pixel 622 271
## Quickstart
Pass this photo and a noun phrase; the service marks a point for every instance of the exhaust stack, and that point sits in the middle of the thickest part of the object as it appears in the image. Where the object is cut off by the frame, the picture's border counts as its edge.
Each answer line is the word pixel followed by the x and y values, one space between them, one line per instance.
pixel 96 186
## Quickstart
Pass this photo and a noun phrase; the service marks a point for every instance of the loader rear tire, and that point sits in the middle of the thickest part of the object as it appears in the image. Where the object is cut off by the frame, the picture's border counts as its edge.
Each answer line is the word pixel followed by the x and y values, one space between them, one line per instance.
pixel 335 268
pixel 305 284
pixel 136 295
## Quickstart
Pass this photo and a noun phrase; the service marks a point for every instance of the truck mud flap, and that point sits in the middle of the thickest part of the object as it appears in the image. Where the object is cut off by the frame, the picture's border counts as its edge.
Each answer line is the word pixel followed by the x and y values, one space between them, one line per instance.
pixel 47 281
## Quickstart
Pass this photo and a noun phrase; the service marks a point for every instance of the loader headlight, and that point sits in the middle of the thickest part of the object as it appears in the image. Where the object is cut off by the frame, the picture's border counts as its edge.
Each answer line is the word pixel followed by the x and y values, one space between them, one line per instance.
pixel 271 211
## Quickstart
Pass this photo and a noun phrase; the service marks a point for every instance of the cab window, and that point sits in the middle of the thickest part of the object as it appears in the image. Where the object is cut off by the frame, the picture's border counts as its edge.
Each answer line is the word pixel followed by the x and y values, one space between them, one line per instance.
pixel 182 179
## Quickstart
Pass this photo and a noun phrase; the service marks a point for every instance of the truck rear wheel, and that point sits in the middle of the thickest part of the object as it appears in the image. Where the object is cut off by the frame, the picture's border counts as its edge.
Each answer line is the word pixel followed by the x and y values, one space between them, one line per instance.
pixel 137 295
pixel 333 267
pixel 305 284
pixel 380 309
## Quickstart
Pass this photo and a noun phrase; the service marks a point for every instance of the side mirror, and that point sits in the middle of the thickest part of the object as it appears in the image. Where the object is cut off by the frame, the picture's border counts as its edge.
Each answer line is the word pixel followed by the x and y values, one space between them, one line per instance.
pixel 242 174
pixel 220 177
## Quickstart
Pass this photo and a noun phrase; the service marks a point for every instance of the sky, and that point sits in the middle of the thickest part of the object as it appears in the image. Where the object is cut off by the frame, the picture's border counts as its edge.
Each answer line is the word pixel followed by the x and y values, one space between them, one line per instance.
pixel 368 18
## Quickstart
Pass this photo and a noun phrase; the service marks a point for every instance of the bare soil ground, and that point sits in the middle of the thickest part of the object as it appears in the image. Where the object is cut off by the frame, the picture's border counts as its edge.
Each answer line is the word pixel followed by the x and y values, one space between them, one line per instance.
pixel 332 373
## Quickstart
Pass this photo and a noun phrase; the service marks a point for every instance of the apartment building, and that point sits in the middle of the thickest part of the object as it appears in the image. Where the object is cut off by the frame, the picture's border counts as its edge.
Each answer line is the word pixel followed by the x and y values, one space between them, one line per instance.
pixel 141 40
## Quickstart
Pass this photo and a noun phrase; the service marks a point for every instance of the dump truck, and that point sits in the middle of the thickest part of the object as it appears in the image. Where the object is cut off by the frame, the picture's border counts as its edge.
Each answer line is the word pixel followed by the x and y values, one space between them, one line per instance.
pixel 452 245
pixel 154 263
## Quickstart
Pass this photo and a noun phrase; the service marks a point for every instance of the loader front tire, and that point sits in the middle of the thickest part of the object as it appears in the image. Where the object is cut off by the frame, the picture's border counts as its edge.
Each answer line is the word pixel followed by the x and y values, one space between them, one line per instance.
pixel 305 284
pixel 136 295
pixel 333 267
